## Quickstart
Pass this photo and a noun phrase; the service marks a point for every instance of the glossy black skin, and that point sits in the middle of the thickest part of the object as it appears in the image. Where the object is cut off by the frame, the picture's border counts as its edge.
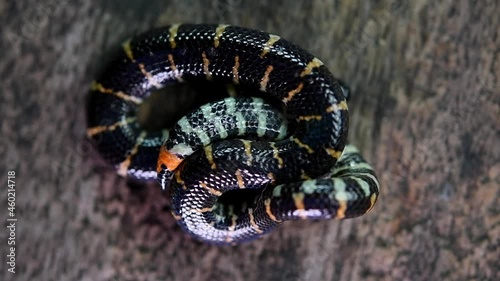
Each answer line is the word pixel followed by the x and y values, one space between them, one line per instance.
pixel 202 51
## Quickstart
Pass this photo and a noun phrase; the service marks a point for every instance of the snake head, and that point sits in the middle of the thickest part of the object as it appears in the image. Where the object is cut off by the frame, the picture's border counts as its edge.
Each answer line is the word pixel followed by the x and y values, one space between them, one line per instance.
pixel 168 160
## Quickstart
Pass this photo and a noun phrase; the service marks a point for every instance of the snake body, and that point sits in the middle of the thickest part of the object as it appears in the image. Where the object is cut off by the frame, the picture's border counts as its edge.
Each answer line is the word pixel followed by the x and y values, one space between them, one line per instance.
pixel 233 167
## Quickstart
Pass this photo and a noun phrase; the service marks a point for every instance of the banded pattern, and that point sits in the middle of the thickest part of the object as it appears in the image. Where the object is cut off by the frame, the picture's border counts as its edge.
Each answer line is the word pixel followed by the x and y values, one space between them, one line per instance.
pixel 203 161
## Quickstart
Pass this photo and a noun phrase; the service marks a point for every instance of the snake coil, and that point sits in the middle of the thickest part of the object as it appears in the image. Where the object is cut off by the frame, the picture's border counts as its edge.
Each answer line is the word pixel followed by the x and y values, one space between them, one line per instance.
pixel 234 168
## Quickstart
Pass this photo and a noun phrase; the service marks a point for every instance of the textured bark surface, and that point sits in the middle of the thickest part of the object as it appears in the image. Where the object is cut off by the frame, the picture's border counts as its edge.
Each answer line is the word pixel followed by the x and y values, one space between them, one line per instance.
pixel 425 111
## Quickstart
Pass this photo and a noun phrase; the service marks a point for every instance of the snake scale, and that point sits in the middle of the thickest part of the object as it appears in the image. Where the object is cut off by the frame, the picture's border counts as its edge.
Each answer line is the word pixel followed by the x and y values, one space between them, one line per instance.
pixel 237 167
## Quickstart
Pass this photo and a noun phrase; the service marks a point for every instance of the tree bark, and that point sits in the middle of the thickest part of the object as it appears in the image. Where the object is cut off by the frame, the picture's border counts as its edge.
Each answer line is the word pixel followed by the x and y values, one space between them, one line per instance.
pixel 424 110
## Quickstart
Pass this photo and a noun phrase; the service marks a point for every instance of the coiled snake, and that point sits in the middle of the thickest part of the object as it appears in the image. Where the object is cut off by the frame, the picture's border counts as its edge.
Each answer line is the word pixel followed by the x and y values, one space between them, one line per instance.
pixel 236 167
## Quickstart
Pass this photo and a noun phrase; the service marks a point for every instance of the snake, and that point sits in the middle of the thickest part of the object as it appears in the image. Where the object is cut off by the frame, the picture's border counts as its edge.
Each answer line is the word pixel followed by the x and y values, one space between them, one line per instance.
pixel 237 167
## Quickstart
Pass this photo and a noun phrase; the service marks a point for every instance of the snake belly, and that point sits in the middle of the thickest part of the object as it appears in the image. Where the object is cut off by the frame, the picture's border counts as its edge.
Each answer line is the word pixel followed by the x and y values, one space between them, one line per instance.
pixel 233 169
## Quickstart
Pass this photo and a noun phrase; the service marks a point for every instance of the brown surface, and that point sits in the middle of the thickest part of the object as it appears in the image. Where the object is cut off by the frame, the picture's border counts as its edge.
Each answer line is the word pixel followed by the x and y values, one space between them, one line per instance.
pixel 425 111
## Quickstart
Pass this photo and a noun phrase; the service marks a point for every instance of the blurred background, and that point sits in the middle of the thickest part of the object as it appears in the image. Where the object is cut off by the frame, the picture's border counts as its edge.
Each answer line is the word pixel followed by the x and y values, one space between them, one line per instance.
pixel 425 111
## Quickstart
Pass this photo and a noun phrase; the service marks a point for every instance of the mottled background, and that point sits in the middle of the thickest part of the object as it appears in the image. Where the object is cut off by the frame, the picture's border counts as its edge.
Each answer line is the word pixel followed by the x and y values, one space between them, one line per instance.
pixel 425 111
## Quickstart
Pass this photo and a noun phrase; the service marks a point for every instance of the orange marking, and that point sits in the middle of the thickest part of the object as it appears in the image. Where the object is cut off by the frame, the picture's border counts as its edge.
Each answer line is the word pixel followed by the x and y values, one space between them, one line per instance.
pixel 373 199
pixel 271 177
pixel 233 222
pixel 310 66
pixel 298 199
pixel 170 58
pixel 99 129
pixel 269 44
pixel 172 62
pixel 100 88
pixel 176 217
pixel 123 166
pixel 178 178
pixel 173 33
pixel 265 78
pixel 206 63
pixel 128 50
pixel 277 156
pixel 334 153
pixel 267 203
pixel 232 227
pixel 335 107
pixel 95 86
pixel 126 97
pixel 248 151
pixel 149 76
pixel 252 221
pixel 303 145
pixel 170 160
pixel 309 117
pixel 304 176
pixel 293 93
pixel 210 156
pixel 218 34
pixel 239 178
pixel 235 70
pixel 211 190
pixel 341 210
